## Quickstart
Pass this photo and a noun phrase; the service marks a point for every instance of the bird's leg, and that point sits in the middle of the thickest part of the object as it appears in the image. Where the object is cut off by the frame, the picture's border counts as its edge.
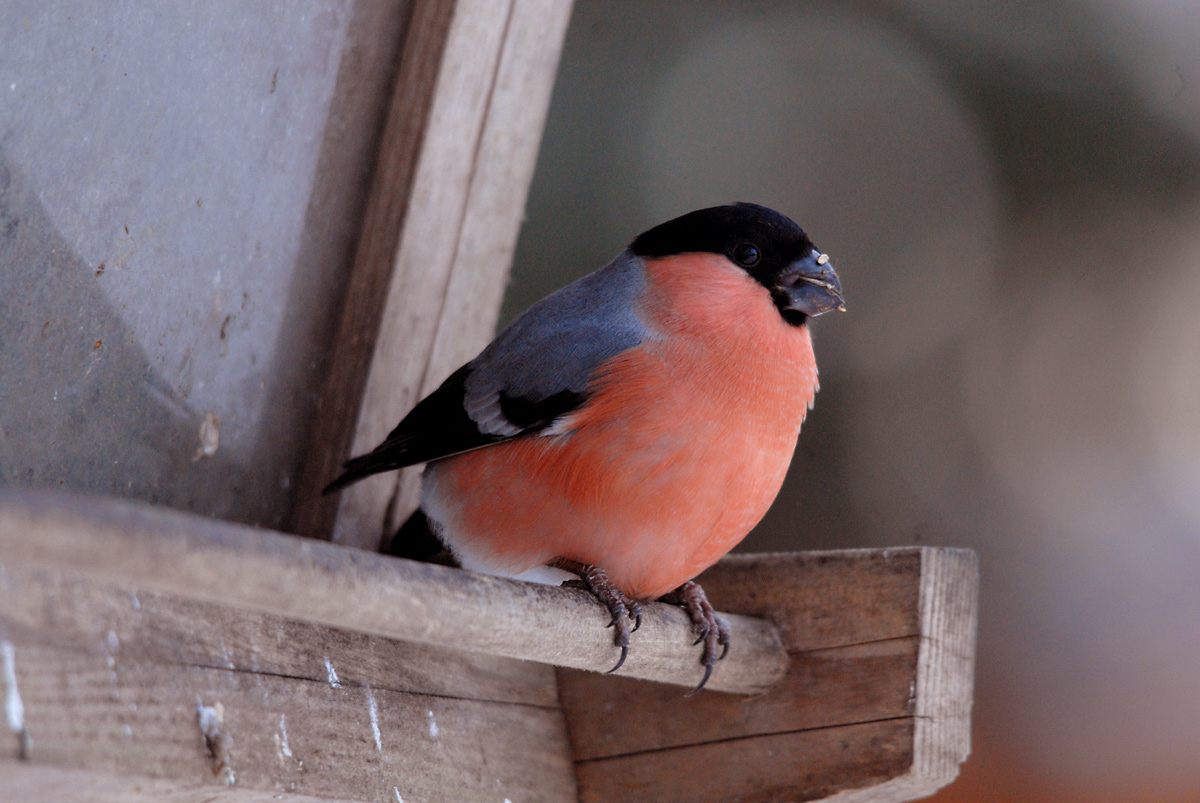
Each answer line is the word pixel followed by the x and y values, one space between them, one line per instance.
pixel 707 625
pixel 623 608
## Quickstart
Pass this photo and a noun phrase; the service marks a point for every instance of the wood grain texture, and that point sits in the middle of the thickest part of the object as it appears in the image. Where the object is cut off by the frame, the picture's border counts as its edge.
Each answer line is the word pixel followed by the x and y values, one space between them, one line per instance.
pixel 57 609
pixel 442 223
pixel 825 599
pixel 822 689
pixel 945 672
pixel 110 677
pixel 424 257
pixel 366 291
pixel 28 783
pixel 319 583
pixel 803 765
pixel 129 716
pixel 875 705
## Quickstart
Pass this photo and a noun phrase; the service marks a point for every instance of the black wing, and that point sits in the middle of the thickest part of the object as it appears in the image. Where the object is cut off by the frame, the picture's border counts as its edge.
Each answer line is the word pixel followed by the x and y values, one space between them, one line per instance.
pixel 439 426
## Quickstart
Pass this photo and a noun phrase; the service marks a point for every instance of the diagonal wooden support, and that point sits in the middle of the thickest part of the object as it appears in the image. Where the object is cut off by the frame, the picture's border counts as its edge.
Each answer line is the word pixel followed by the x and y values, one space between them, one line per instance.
pixel 345 674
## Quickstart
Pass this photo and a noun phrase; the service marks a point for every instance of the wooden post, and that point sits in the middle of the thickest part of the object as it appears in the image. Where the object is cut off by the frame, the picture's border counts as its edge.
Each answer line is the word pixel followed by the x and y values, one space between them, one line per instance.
pixel 457 157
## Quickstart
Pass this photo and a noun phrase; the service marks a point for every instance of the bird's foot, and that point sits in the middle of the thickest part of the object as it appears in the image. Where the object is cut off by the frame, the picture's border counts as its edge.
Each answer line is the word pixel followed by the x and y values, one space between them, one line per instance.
pixel 709 627
pixel 623 608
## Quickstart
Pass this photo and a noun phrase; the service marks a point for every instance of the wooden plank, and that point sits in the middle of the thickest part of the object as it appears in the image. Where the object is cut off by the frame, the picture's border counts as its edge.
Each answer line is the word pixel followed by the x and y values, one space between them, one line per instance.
pixel 825 599
pixel 124 716
pixel 321 583
pixel 454 255
pixel 366 291
pixel 441 228
pixel 108 677
pixel 29 783
pixel 822 689
pixel 57 609
pixel 803 765
pixel 881 640
pixel 399 373
pixel 946 667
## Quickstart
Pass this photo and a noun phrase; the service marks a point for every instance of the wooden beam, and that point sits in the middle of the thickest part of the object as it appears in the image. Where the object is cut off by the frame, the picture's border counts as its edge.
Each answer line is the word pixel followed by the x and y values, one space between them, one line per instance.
pixel 320 583
pixel 111 678
pixel 457 157
pixel 27 783
pixel 50 608
pixel 366 291
pixel 875 705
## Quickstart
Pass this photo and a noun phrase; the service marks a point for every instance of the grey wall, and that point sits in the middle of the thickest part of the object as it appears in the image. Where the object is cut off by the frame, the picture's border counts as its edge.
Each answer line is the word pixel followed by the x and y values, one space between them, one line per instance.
pixel 180 191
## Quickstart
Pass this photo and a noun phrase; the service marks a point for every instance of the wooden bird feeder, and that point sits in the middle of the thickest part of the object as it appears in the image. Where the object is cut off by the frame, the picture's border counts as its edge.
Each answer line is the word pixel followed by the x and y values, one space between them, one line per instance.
pixel 153 655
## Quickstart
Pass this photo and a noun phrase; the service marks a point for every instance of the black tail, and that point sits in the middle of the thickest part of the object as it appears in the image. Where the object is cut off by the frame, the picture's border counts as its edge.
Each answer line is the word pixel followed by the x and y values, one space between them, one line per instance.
pixel 416 540
pixel 356 468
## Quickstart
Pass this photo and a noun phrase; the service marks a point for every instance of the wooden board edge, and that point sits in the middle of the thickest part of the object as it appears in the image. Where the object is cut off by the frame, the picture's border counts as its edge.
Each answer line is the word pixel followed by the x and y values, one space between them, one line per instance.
pixel 897 790
pixel 493 211
pixel 131 624
pixel 321 583
pixel 944 687
pixel 611 716
pixel 406 120
pixel 24 782
pixel 797 765
pixel 945 665
pixel 215 727
pixel 450 264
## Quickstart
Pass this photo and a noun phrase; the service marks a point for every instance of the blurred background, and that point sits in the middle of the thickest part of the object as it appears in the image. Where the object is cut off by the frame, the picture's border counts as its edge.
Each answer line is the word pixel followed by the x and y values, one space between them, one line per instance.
pixel 1010 192
pixel 1011 195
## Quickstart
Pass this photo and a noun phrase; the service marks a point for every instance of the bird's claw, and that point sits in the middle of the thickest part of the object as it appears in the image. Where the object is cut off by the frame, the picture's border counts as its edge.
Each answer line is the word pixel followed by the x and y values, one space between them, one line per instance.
pixel 622 641
pixel 635 612
pixel 623 608
pixel 710 629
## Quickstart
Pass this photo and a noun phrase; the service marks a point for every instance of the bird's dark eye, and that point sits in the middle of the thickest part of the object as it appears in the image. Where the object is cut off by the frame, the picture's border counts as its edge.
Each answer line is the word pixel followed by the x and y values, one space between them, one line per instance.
pixel 746 255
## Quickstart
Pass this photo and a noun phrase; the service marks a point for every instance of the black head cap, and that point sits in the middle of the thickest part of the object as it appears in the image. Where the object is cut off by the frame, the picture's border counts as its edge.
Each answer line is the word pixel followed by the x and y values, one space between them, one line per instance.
pixel 766 244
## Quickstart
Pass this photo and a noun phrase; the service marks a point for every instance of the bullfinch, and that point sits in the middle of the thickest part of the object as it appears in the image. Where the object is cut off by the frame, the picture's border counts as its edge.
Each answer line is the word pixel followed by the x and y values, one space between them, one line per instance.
pixel 631 428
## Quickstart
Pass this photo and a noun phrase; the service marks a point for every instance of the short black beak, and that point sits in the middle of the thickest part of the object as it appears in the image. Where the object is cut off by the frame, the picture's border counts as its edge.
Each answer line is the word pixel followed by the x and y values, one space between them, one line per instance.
pixel 811 286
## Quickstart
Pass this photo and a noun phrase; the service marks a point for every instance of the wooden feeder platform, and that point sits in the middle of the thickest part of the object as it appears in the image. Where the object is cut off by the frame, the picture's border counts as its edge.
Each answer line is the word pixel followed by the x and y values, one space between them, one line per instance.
pixel 329 672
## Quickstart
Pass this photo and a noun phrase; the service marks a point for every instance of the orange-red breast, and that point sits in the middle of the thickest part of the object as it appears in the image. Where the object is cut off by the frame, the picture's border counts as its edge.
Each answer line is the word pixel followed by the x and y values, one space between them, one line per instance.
pixel 635 425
